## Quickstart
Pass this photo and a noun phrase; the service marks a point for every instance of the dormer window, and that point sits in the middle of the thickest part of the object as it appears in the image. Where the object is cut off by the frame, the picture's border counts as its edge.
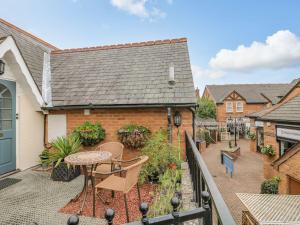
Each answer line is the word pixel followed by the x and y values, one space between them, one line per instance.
pixel 229 107
pixel 239 107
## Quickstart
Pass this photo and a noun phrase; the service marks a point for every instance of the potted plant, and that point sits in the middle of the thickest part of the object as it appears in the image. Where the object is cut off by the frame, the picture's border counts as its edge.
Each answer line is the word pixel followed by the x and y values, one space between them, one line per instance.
pixel 62 147
pixel 252 137
pixel 270 186
pixel 268 150
pixel 90 134
pixel 133 136
pixel 44 159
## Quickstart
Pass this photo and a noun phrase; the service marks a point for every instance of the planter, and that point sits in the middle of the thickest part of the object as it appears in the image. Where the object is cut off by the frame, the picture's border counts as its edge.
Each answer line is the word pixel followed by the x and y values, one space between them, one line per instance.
pixel 89 141
pixel 63 173
pixel 253 145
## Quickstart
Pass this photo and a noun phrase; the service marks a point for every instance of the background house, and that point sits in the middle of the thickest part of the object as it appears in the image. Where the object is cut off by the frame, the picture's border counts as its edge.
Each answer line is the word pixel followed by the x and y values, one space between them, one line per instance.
pixel 51 91
pixel 239 100
pixel 279 126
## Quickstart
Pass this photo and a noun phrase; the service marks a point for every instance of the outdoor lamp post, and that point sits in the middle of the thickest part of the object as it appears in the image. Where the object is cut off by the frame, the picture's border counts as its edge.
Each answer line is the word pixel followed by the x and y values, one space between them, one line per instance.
pixel 233 121
pixel 177 119
pixel 2 67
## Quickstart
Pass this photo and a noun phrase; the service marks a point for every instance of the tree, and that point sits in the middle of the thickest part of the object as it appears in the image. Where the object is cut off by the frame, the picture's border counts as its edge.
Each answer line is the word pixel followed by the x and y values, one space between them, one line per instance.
pixel 206 108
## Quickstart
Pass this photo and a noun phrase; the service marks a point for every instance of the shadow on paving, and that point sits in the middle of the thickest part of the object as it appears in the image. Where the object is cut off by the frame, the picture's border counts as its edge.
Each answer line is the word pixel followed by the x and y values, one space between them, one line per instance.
pixel 247 176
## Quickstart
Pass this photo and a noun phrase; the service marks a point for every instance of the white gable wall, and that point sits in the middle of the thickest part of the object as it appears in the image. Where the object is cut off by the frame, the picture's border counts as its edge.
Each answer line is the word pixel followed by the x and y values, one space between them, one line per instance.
pixel 30 122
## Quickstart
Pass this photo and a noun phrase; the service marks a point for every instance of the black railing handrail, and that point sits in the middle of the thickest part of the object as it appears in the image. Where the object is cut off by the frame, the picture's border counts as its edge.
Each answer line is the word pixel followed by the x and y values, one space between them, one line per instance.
pixel 222 209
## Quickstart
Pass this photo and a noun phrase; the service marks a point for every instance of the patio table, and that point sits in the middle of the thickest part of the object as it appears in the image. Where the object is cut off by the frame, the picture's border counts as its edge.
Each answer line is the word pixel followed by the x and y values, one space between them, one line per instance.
pixel 85 160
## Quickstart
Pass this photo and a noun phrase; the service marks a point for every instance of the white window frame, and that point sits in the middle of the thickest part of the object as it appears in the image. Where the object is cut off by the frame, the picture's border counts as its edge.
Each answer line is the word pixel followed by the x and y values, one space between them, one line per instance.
pixel 229 107
pixel 239 108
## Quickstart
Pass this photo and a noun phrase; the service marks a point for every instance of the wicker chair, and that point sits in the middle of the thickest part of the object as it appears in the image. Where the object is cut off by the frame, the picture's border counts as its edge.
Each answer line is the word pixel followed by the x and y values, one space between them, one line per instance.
pixel 116 149
pixel 120 183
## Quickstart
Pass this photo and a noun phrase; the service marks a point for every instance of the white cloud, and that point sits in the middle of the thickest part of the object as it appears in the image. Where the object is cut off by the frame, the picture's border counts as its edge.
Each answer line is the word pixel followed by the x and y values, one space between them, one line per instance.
pixel 170 2
pixel 200 73
pixel 139 8
pixel 281 50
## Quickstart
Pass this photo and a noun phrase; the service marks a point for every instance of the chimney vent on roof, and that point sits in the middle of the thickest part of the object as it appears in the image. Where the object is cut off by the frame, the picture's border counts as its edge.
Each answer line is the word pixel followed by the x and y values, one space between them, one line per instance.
pixel 171 75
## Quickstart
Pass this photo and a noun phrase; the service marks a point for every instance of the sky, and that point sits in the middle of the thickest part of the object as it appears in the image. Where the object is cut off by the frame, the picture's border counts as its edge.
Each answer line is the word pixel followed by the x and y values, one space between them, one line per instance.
pixel 230 41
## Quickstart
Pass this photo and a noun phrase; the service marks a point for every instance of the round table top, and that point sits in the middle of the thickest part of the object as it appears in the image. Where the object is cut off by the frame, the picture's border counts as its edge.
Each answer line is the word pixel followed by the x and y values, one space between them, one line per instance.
pixel 87 158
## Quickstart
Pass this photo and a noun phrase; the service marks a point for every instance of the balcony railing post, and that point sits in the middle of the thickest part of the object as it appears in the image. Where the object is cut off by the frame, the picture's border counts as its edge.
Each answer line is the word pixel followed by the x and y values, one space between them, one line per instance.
pixel 144 210
pixel 206 205
pixel 109 216
pixel 73 220
pixel 175 203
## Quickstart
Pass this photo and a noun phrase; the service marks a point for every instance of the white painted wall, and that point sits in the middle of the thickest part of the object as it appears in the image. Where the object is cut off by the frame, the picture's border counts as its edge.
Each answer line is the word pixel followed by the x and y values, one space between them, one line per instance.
pixel 57 126
pixel 30 124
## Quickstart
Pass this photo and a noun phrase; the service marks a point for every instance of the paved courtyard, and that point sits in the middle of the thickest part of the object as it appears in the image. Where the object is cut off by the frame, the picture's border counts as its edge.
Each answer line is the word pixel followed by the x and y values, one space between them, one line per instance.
pixel 247 177
pixel 37 199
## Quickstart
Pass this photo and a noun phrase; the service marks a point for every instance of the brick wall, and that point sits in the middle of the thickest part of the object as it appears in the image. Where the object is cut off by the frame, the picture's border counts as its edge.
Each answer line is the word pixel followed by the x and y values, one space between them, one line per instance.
pixel 113 119
pixel 290 168
pixel 293 93
pixel 248 108
pixel 270 139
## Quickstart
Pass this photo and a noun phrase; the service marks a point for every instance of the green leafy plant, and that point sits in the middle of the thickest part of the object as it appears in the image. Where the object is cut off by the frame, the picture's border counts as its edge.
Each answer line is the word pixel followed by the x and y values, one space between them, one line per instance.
pixel 89 133
pixel 161 155
pixel 268 150
pixel 133 135
pixel 62 147
pixel 252 136
pixel 270 186
pixel 44 158
pixel 169 186
pixel 203 134
pixel 206 108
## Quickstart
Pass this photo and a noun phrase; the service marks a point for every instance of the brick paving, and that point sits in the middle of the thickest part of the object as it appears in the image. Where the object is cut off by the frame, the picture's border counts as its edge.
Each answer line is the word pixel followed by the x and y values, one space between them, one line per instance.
pixel 247 177
pixel 37 199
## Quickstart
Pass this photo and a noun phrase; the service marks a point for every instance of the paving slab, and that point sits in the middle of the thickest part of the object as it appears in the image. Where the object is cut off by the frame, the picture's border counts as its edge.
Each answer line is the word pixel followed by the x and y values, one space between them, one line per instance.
pixel 247 176
pixel 38 199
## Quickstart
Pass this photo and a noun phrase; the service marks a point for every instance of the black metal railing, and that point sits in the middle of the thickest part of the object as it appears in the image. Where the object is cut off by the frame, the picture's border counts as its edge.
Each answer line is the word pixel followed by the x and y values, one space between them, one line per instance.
pixel 201 214
pixel 203 182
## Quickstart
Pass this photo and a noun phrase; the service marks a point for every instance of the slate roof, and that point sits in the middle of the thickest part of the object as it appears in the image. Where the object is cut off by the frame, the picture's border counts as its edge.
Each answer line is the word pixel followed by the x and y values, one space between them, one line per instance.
pixel 286 112
pixel 129 74
pixel 31 48
pixel 253 93
pixel 126 74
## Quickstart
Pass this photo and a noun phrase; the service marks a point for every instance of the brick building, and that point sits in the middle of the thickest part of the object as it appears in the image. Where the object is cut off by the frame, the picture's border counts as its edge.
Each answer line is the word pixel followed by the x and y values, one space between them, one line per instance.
pixel 239 100
pixel 279 126
pixel 48 91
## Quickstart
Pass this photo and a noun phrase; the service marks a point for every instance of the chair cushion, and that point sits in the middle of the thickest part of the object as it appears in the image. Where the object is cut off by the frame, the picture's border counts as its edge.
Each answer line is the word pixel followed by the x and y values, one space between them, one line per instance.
pixel 113 182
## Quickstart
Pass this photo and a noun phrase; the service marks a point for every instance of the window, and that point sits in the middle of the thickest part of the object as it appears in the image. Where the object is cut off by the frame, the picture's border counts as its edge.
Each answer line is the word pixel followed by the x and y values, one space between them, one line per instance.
pixel 239 106
pixel 229 107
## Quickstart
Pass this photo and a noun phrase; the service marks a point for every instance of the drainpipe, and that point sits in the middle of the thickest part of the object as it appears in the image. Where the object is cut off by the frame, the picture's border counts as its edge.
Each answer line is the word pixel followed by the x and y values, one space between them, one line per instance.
pixel 170 125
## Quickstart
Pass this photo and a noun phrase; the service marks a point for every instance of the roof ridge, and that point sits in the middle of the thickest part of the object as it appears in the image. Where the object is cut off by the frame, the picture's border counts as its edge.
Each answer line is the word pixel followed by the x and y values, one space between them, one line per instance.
pixel 248 84
pixel 118 46
pixel 27 34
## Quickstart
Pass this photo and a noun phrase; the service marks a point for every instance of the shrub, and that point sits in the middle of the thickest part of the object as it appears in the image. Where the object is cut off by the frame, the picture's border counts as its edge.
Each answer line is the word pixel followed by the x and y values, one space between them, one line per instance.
pixel 44 158
pixel 203 134
pixel 169 186
pixel 161 156
pixel 252 136
pixel 90 134
pixel 206 108
pixel 133 136
pixel 270 186
pixel 268 150
pixel 62 147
